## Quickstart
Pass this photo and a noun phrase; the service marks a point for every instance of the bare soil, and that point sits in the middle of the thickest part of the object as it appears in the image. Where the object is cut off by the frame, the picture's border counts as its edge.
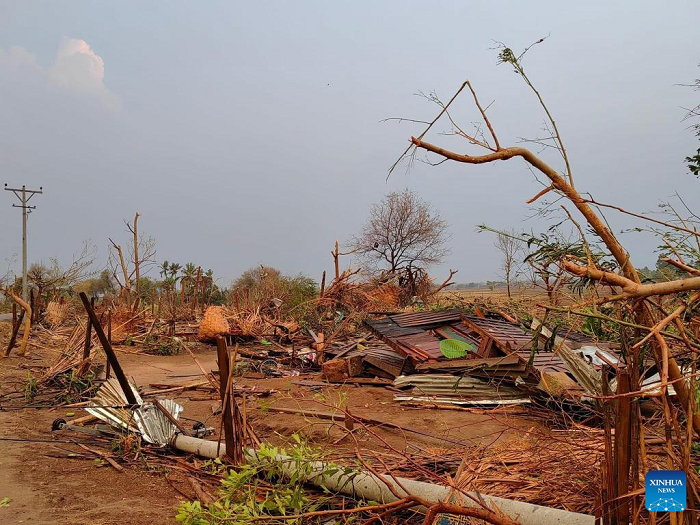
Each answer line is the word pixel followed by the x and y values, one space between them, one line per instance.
pixel 46 485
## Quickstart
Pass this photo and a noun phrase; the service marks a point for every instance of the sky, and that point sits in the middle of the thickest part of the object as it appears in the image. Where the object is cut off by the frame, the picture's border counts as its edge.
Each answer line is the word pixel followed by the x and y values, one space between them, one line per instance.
pixel 251 133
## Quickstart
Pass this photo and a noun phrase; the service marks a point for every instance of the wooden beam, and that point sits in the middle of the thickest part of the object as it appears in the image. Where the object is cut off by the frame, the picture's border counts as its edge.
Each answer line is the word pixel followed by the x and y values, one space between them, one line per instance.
pixel 107 347
pixel 88 333
pixel 226 406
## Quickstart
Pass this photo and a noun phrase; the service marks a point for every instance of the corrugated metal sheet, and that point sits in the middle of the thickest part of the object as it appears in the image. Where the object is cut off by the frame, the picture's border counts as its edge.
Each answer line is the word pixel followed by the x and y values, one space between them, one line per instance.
pixel 383 358
pixel 425 319
pixel 410 334
pixel 146 419
pixel 510 338
pixel 422 346
pixel 407 341
pixel 449 388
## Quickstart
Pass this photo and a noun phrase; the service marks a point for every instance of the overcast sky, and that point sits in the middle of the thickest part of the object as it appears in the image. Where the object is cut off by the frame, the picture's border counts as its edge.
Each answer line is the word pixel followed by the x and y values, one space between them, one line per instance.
pixel 249 133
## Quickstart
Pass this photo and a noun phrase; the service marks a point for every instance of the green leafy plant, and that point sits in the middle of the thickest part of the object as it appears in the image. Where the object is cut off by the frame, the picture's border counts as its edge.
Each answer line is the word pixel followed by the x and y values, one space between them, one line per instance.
pixel 277 473
pixel 165 346
pixel 31 387
pixel 454 348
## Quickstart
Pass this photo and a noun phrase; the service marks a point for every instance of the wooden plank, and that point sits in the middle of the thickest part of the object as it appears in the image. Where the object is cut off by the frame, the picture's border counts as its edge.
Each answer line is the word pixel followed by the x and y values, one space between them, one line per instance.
pixel 227 416
pixel 88 333
pixel 107 347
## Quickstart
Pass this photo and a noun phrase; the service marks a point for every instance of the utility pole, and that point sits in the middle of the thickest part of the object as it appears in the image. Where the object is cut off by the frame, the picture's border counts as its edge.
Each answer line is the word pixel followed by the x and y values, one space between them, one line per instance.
pixel 23 194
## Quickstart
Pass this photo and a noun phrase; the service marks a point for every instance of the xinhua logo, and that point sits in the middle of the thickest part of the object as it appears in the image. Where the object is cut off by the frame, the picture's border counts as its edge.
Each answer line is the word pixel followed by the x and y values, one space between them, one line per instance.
pixel 665 490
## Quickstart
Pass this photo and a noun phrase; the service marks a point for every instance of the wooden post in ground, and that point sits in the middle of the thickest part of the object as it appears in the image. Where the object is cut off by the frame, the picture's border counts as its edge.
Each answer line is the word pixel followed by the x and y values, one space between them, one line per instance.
pixel 14 314
pixel 229 409
pixel 109 338
pixel 15 331
pixel 336 254
pixel 111 356
pixel 32 307
pixel 224 371
pixel 623 445
pixel 88 333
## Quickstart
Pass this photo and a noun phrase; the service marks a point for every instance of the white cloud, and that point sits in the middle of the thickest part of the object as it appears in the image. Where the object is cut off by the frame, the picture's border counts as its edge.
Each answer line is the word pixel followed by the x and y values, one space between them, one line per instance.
pixel 78 68
pixel 17 59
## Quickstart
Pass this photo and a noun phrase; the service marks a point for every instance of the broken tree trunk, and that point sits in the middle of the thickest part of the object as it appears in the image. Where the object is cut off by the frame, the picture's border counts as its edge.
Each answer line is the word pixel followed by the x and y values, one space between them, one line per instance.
pixel 88 333
pixel 233 432
pixel 623 445
pixel 336 261
pixel 137 263
pixel 125 292
pixel 387 488
pixel 15 330
pixel 27 312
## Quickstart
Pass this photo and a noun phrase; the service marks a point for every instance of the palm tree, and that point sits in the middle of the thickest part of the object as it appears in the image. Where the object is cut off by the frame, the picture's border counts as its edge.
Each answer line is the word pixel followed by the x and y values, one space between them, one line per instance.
pixel 164 269
pixel 188 274
pixel 174 268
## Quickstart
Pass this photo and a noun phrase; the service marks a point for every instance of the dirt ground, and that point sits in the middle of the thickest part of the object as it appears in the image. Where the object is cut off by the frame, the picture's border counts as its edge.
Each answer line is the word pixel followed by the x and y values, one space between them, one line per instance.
pixel 46 485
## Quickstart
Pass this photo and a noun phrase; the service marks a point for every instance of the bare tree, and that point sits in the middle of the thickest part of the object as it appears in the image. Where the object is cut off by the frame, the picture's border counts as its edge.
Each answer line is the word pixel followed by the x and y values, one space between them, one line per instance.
pixel 510 247
pixel 51 279
pixel 402 233
pixel 140 255
pixel 550 276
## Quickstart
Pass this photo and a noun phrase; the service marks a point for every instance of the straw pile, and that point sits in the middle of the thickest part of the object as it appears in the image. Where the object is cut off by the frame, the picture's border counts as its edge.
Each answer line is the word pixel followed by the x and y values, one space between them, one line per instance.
pixel 348 293
pixel 71 357
pixel 561 471
pixel 213 324
pixel 56 313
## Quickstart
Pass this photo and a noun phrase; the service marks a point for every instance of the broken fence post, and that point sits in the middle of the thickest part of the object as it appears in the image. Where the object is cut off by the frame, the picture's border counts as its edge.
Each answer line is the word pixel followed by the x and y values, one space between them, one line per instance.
pixel 108 368
pixel 88 333
pixel 15 331
pixel 234 447
pixel 622 445
pixel 107 347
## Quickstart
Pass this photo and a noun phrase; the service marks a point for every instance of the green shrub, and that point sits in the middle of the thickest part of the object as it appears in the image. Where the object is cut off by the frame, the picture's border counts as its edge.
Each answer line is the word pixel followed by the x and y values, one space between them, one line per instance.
pixel 264 473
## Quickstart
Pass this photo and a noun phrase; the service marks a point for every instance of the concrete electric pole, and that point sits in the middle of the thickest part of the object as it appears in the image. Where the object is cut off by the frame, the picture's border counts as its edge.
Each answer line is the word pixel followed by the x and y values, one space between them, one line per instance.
pixel 23 194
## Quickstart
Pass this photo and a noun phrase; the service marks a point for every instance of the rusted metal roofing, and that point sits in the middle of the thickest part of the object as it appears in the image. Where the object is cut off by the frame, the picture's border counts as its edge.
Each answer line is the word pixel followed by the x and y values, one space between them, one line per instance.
pixel 411 334
pixel 425 345
pixel 510 338
pixel 506 335
pixel 408 341
pixel 425 319
pixel 389 328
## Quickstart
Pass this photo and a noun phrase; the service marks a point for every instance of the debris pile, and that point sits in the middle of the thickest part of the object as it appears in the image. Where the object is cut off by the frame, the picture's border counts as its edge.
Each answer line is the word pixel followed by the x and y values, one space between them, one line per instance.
pixel 469 359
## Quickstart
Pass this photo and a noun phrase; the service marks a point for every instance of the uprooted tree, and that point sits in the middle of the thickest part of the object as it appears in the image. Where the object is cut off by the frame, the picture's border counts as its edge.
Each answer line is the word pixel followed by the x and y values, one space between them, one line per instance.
pixel 642 321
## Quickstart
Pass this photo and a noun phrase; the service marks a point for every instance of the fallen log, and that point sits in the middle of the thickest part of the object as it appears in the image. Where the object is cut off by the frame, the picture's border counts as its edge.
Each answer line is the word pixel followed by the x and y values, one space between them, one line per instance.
pixel 370 487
